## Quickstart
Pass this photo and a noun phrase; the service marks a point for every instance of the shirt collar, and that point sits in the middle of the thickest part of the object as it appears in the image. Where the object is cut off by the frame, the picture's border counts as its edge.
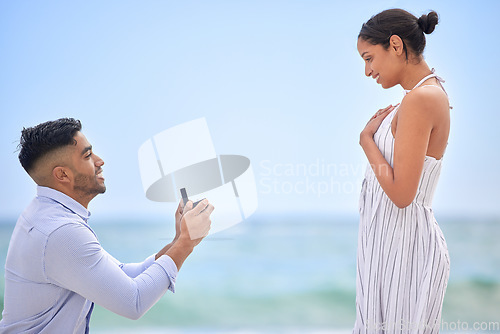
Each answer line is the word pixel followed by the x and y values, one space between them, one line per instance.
pixel 64 200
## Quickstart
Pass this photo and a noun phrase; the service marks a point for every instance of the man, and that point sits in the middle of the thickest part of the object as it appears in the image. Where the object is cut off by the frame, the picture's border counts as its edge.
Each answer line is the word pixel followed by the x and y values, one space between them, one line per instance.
pixel 56 268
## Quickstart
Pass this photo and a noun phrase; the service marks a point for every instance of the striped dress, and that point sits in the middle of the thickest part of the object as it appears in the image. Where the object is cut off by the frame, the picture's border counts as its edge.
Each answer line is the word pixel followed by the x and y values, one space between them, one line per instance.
pixel 402 261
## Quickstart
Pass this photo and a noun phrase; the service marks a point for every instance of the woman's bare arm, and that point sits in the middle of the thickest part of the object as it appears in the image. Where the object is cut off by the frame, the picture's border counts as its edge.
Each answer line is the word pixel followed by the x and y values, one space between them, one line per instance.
pixel 416 119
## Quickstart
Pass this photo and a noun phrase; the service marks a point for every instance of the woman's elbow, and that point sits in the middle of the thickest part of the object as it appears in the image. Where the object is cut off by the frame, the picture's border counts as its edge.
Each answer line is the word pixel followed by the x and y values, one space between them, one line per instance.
pixel 402 205
pixel 402 201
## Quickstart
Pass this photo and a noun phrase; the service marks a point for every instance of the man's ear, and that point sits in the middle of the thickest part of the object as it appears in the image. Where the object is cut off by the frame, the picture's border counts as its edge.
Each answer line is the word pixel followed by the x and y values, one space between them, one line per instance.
pixel 396 45
pixel 61 174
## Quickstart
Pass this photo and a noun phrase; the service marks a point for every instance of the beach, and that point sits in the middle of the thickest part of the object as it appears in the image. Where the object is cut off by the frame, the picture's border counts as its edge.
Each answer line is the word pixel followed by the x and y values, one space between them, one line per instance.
pixel 286 274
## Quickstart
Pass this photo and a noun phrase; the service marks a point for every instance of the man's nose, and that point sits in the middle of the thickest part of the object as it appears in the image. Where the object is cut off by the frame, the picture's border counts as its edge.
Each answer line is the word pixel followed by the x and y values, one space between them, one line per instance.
pixel 99 162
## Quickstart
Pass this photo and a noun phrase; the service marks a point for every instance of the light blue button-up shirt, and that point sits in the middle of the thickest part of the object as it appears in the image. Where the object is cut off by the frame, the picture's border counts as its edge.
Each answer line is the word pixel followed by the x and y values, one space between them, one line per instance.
pixel 56 269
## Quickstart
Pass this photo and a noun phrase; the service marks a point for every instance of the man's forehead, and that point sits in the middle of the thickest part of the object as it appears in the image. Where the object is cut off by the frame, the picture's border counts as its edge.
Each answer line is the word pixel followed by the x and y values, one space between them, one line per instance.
pixel 81 141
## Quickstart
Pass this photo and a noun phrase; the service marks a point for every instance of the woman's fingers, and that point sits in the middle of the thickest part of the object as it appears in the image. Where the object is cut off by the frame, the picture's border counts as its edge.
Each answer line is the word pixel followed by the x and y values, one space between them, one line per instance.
pixel 387 109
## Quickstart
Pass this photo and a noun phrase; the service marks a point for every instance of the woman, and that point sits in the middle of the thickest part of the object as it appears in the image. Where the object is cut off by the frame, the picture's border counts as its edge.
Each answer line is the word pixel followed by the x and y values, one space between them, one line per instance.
pixel 402 263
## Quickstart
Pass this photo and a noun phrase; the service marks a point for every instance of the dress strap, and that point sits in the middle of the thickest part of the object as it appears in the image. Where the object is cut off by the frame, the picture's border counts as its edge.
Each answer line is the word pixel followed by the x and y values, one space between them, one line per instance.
pixel 432 75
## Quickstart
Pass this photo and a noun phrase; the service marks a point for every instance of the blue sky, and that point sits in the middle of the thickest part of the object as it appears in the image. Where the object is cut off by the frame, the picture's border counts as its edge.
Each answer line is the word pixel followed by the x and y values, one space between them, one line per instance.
pixel 280 82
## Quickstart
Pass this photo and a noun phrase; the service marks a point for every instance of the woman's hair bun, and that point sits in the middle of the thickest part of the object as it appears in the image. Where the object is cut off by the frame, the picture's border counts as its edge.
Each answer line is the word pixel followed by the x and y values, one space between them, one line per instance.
pixel 428 22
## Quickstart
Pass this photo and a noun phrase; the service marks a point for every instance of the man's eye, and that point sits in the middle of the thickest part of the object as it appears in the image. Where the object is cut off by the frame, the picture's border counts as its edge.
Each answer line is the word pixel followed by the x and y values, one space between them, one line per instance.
pixel 88 156
pixel 368 59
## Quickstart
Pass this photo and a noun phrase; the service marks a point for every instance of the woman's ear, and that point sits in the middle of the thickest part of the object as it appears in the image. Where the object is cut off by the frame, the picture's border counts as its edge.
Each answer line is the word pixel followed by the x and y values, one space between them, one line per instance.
pixel 396 45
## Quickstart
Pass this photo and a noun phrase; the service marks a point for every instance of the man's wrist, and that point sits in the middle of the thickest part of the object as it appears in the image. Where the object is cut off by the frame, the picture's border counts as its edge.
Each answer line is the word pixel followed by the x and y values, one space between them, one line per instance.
pixel 180 250
pixel 183 243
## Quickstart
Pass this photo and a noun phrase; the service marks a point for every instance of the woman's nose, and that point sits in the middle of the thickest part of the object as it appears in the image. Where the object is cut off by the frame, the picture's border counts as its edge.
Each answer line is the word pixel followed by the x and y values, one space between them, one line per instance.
pixel 368 70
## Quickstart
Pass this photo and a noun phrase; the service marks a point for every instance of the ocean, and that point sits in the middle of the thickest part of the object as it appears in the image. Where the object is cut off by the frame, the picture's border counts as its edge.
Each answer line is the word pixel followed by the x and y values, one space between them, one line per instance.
pixel 287 274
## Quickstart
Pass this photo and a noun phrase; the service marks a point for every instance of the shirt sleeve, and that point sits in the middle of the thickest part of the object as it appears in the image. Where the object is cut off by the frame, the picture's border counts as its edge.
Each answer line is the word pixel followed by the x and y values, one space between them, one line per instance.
pixel 134 269
pixel 75 260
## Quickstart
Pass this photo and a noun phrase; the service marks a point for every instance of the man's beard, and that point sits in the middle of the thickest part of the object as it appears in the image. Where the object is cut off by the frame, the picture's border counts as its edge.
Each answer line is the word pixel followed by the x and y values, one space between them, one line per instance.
pixel 88 185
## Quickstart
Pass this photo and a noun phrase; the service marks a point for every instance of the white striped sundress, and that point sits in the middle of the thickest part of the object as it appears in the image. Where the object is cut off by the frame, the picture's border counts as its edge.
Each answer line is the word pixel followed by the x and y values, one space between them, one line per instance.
pixel 402 262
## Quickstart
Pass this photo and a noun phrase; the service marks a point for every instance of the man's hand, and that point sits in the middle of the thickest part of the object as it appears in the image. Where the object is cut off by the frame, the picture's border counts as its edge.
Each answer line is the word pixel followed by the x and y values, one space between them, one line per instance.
pixel 194 225
pixel 178 217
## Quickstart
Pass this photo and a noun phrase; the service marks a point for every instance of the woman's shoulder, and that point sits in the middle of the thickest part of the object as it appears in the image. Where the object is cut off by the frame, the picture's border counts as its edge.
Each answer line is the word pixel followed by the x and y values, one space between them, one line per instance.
pixel 426 99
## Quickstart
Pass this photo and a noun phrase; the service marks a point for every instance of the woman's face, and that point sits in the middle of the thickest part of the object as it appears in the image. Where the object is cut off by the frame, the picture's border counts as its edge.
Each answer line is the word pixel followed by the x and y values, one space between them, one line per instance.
pixel 381 64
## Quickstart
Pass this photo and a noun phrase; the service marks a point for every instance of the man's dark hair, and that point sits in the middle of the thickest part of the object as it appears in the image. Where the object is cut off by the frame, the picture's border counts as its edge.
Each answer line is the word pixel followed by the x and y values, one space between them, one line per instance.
pixel 45 137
